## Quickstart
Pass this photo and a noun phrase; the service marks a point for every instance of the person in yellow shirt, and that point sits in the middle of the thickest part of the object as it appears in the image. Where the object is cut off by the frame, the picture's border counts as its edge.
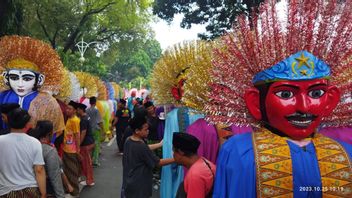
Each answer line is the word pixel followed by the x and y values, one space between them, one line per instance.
pixel 71 147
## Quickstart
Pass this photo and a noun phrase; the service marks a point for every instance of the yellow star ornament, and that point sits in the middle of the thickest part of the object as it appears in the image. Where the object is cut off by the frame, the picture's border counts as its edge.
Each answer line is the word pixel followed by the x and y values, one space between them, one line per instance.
pixel 302 61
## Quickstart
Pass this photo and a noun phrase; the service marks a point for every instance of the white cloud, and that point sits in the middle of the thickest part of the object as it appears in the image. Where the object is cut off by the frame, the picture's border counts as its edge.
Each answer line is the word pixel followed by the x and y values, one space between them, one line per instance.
pixel 169 35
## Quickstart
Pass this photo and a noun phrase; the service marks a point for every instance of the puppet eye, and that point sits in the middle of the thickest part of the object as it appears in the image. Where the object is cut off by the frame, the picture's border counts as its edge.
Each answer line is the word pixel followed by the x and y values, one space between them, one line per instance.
pixel 14 77
pixel 284 94
pixel 316 93
pixel 28 78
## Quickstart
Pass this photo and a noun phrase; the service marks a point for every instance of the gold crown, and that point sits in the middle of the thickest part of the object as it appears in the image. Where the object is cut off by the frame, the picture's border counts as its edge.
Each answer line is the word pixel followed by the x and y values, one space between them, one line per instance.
pixel 20 63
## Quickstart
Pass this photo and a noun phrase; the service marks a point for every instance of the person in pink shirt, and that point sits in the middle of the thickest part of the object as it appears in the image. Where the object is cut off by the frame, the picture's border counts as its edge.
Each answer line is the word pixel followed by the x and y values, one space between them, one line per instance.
pixel 200 176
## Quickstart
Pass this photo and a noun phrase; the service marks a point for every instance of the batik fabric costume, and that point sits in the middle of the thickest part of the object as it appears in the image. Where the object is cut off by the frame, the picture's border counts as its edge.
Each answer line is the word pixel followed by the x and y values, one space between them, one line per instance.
pixel 28 56
pixel 289 72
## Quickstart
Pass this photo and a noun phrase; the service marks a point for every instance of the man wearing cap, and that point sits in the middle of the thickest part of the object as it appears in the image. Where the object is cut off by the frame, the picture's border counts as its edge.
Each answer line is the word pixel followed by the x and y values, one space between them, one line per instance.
pixel 121 119
pixel 71 147
pixel 153 122
pixel 21 160
pixel 199 179
pixel 5 109
pixel 87 145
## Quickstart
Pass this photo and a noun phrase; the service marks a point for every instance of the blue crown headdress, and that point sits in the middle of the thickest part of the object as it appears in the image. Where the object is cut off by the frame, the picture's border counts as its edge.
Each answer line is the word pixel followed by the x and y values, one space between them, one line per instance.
pixel 299 66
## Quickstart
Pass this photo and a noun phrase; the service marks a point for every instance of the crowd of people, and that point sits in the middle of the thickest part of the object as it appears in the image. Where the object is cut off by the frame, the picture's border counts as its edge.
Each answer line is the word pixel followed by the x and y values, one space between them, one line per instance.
pixel 46 166
pixel 56 170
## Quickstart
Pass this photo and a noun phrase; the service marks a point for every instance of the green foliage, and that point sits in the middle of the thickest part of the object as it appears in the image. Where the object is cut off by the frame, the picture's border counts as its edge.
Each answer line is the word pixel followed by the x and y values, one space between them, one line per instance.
pixel 11 17
pixel 136 59
pixel 93 64
pixel 65 22
pixel 123 48
pixel 218 14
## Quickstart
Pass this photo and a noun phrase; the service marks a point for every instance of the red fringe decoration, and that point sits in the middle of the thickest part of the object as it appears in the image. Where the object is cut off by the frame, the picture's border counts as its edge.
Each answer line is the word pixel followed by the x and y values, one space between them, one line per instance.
pixel 321 27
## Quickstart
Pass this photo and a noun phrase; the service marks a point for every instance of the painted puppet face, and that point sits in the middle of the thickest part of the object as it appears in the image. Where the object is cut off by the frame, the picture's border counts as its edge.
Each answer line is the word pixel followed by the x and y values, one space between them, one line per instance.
pixel 296 108
pixel 22 81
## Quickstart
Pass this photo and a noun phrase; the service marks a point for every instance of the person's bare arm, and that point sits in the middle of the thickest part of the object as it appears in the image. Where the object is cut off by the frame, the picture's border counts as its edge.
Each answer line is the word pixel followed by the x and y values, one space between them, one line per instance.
pixel 155 146
pixel 78 141
pixel 166 161
pixel 66 183
pixel 115 121
pixel 40 177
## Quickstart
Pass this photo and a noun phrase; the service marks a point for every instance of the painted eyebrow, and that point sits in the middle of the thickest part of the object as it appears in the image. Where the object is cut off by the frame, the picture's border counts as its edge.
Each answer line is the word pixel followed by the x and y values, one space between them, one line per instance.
pixel 321 84
pixel 293 86
pixel 28 75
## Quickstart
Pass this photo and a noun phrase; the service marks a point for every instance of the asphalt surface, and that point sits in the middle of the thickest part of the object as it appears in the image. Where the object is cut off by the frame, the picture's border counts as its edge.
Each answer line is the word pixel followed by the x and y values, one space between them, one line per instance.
pixel 108 176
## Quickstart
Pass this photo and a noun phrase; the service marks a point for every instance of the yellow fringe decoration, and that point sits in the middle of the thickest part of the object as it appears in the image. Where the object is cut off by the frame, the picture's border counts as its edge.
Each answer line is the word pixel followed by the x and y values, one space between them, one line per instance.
pixel 117 89
pixel 87 81
pixel 66 87
pixel 102 91
pixel 168 67
pixel 196 86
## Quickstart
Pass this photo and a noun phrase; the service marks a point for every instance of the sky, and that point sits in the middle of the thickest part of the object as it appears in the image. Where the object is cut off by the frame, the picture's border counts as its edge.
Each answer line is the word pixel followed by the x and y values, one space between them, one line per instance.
pixel 168 35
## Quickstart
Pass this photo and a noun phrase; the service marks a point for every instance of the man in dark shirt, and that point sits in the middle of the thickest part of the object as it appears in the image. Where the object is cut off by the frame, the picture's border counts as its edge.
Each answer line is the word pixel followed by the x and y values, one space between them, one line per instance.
pixel 139 161
pixel 122 117
pixel 87 145
pixel 153 121
pixel 5 110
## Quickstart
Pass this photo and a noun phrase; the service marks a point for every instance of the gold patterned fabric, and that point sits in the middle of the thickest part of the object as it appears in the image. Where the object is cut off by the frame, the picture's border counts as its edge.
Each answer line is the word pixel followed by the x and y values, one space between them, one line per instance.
pixel 274 166
pixel 45 107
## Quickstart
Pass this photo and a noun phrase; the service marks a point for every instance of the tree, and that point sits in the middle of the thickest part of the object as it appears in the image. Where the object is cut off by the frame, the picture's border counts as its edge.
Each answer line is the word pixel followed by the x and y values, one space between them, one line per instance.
pixel 11 17
pixel 219 15
pixel 125 49
pixel 136 59
pixel 65 22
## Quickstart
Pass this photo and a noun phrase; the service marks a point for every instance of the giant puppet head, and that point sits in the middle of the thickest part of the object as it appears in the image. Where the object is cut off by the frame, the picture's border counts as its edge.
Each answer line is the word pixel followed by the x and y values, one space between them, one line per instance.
pixel 23 82
pixel 288 75
pixel 26 62
pixel 293 96
pixel 171 71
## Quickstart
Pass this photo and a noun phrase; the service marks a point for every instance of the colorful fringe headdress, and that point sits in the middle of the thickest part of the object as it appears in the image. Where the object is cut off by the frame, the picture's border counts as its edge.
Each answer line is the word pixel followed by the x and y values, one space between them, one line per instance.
pixel 309 39
pixel 170 72
pixel 70 89
pixel 75 87
pixel 65 87
pixel 87 81
pixel 117 89
pixel 110 89
pixel 198 78
pixel 18 52
pixel 102 91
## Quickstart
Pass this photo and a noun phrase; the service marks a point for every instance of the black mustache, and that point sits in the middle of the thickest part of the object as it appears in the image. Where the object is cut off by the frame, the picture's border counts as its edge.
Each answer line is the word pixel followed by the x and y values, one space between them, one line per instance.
pixel 301 116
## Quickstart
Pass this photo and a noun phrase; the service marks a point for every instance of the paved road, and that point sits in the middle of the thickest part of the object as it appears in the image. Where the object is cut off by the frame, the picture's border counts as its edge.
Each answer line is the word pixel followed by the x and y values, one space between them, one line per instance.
pixel 108 176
